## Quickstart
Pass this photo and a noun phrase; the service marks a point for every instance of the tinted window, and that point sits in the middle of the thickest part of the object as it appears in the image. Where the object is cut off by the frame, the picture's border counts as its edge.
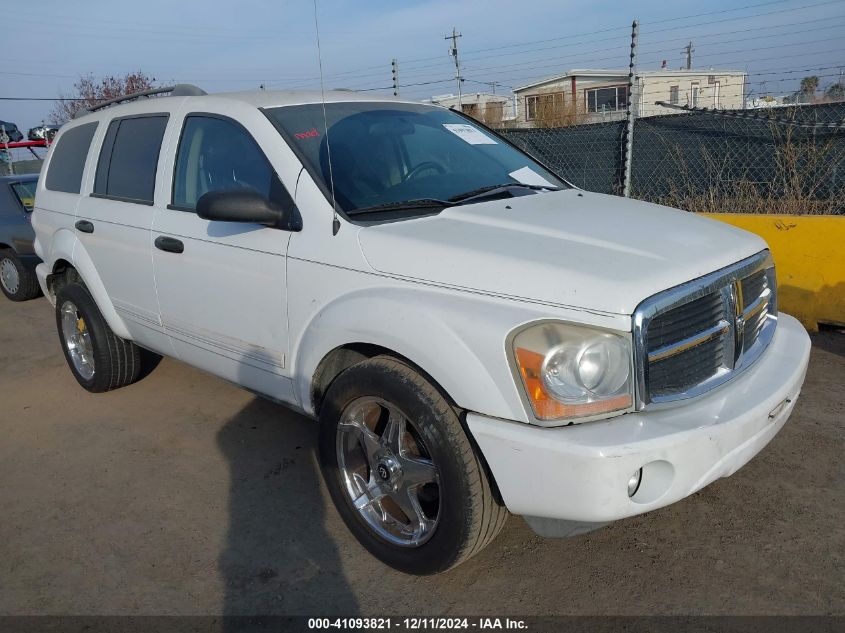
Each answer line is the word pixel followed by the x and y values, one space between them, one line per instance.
pixel 215 155
pixel 25 193
pixel 385 153
pixel 128 160
pixel 68 161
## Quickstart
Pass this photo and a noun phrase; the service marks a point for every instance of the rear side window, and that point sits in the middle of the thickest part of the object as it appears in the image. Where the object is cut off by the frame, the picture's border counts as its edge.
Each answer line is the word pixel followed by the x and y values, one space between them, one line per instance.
pixel 129 157
pixel 68 161
pixel 25 193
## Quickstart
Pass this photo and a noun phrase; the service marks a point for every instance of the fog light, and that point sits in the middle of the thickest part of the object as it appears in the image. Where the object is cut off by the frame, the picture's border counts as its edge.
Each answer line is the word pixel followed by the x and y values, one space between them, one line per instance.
pixel 634 482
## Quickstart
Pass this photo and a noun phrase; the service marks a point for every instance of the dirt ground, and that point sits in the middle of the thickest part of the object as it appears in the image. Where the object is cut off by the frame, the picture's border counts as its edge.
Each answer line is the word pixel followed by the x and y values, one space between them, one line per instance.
pixel 183 494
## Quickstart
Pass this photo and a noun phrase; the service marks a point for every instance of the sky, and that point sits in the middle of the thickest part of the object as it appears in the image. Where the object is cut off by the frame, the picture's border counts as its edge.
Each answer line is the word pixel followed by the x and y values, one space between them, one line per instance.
pixel 222 45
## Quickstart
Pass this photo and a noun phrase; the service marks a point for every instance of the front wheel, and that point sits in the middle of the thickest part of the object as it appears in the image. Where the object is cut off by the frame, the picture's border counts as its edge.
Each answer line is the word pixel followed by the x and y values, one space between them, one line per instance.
pixel 402 471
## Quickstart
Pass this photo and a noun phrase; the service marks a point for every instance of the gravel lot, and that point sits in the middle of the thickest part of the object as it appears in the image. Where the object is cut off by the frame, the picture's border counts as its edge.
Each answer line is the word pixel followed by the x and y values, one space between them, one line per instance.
pixel 185 495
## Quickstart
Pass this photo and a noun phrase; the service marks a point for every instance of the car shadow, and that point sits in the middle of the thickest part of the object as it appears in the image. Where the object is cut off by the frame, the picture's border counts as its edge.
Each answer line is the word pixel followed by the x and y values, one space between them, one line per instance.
pixel 278 558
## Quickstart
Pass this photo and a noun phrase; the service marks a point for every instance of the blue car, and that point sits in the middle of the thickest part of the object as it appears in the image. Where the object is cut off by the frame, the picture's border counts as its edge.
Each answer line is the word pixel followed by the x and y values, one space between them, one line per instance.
pixel 17 259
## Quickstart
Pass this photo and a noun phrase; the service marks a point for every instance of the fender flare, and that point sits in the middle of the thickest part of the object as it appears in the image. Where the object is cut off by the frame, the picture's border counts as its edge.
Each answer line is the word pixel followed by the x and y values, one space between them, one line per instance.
pixel 421 327
pixel 64 244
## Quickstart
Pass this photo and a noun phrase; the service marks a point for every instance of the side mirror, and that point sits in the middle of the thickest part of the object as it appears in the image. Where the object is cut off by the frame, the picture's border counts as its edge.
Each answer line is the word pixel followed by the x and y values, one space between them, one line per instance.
pixel 246 205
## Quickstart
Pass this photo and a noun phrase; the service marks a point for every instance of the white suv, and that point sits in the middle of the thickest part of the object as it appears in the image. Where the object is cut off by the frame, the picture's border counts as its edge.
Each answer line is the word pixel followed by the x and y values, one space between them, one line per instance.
pixel 474 335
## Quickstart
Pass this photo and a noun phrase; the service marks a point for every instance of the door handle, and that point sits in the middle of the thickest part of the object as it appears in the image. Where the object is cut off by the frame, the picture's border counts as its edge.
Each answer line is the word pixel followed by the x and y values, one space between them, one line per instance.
pixel 169 244
pixel 84 226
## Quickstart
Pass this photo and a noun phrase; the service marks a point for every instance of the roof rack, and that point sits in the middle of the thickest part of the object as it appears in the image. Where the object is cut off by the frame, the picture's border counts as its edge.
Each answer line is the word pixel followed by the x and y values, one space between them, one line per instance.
pixel 179 90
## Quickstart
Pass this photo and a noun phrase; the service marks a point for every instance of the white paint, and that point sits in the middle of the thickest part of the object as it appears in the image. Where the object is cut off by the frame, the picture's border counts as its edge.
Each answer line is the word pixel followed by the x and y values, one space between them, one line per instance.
pixel 580 473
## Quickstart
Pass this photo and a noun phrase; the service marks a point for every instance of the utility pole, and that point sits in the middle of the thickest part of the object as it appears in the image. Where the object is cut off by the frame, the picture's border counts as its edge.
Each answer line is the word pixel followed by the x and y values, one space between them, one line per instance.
pixel 493 85
pixel 394 71
pixel 453 51
pixel 689 50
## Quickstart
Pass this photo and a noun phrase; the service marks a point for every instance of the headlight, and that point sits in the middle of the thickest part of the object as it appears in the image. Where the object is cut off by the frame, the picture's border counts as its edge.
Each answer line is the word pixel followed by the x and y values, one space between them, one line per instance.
pixel 571 371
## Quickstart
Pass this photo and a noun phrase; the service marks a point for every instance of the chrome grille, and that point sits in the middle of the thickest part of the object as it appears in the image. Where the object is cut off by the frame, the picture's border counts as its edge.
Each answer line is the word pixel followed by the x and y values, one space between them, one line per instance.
pixel 673 375
pixel 694 337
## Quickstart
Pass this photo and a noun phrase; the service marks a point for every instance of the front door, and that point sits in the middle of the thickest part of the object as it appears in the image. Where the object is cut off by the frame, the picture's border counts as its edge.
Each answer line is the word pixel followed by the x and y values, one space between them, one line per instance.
pixel 221 285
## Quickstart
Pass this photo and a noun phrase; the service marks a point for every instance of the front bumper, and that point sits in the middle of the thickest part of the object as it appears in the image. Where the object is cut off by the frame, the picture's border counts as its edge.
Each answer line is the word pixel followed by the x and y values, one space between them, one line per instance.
pixel 581 472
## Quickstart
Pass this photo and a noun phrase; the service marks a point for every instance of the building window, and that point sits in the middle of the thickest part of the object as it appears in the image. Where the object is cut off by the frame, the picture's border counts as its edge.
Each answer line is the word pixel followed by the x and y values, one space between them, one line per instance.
pixel 693 94
pixel 608 99
pixel 673 95
pixel 544 107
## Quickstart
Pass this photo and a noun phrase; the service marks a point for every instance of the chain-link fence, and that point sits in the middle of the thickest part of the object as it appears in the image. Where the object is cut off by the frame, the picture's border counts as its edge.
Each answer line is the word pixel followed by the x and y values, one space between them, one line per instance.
pixel 789 160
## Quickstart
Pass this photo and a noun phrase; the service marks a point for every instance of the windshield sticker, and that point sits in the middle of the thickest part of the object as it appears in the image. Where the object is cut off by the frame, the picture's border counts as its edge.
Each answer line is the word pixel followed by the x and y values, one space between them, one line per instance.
pixel 469 133
pixel 312 133
pixel 528 176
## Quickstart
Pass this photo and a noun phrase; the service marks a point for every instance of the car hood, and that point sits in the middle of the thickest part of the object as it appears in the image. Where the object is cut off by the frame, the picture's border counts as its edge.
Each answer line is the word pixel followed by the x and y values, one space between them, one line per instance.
pixel 570 248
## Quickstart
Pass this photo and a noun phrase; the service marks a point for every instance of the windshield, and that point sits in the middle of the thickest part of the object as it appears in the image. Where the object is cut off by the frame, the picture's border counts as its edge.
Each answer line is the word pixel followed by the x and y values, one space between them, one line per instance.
pixel 388 153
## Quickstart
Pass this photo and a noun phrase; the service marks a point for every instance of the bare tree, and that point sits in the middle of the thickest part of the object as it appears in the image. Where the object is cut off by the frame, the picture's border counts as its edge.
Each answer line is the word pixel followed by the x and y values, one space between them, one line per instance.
pixel 835 92
pixel 809 85
pixel 553 108
pixel 88 91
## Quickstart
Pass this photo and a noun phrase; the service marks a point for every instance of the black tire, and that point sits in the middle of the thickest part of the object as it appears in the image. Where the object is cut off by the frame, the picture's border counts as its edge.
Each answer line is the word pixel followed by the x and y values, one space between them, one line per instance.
pixel 470 514
pixel 26 287
pixel 116 362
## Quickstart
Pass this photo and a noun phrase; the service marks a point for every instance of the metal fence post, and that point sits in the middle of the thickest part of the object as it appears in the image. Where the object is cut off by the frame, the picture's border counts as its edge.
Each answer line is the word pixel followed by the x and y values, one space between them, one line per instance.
pixel 629 128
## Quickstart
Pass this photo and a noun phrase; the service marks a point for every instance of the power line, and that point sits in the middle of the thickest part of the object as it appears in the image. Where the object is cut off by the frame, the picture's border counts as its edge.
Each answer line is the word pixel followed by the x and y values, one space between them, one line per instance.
pixel 526 63
pixel 569 37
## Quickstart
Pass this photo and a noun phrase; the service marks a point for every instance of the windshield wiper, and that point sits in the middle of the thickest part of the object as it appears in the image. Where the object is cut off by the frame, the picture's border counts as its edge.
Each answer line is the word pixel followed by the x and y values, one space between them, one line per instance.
pixel 418 203
pixel 494 190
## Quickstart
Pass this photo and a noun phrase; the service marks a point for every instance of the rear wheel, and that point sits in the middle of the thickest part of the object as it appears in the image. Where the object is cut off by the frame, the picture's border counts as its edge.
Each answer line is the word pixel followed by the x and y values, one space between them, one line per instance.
pixel 97 357
pixel 17 282
pixel 402 471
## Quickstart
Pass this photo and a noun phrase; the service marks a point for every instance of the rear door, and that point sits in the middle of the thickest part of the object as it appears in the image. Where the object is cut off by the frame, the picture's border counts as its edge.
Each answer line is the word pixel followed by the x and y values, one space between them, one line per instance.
pixel 113 222
pixel 222 285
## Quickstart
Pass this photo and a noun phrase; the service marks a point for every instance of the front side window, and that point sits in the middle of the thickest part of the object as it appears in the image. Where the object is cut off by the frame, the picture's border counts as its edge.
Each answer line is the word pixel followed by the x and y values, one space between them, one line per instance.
pixel 25 193
pixel 68 159
pixel 216 154
pixel 391 153
pixel 129 158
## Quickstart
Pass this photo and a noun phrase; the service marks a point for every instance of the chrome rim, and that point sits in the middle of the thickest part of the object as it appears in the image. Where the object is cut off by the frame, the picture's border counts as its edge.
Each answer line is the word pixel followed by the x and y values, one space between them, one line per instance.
pixel 77 340
pixel 9 276
pixel 388 472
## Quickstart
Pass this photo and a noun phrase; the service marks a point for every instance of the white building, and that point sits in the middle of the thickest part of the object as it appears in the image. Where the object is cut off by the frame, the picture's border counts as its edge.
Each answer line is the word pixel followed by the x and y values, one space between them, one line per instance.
pixel 587 96
pixel 488 108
